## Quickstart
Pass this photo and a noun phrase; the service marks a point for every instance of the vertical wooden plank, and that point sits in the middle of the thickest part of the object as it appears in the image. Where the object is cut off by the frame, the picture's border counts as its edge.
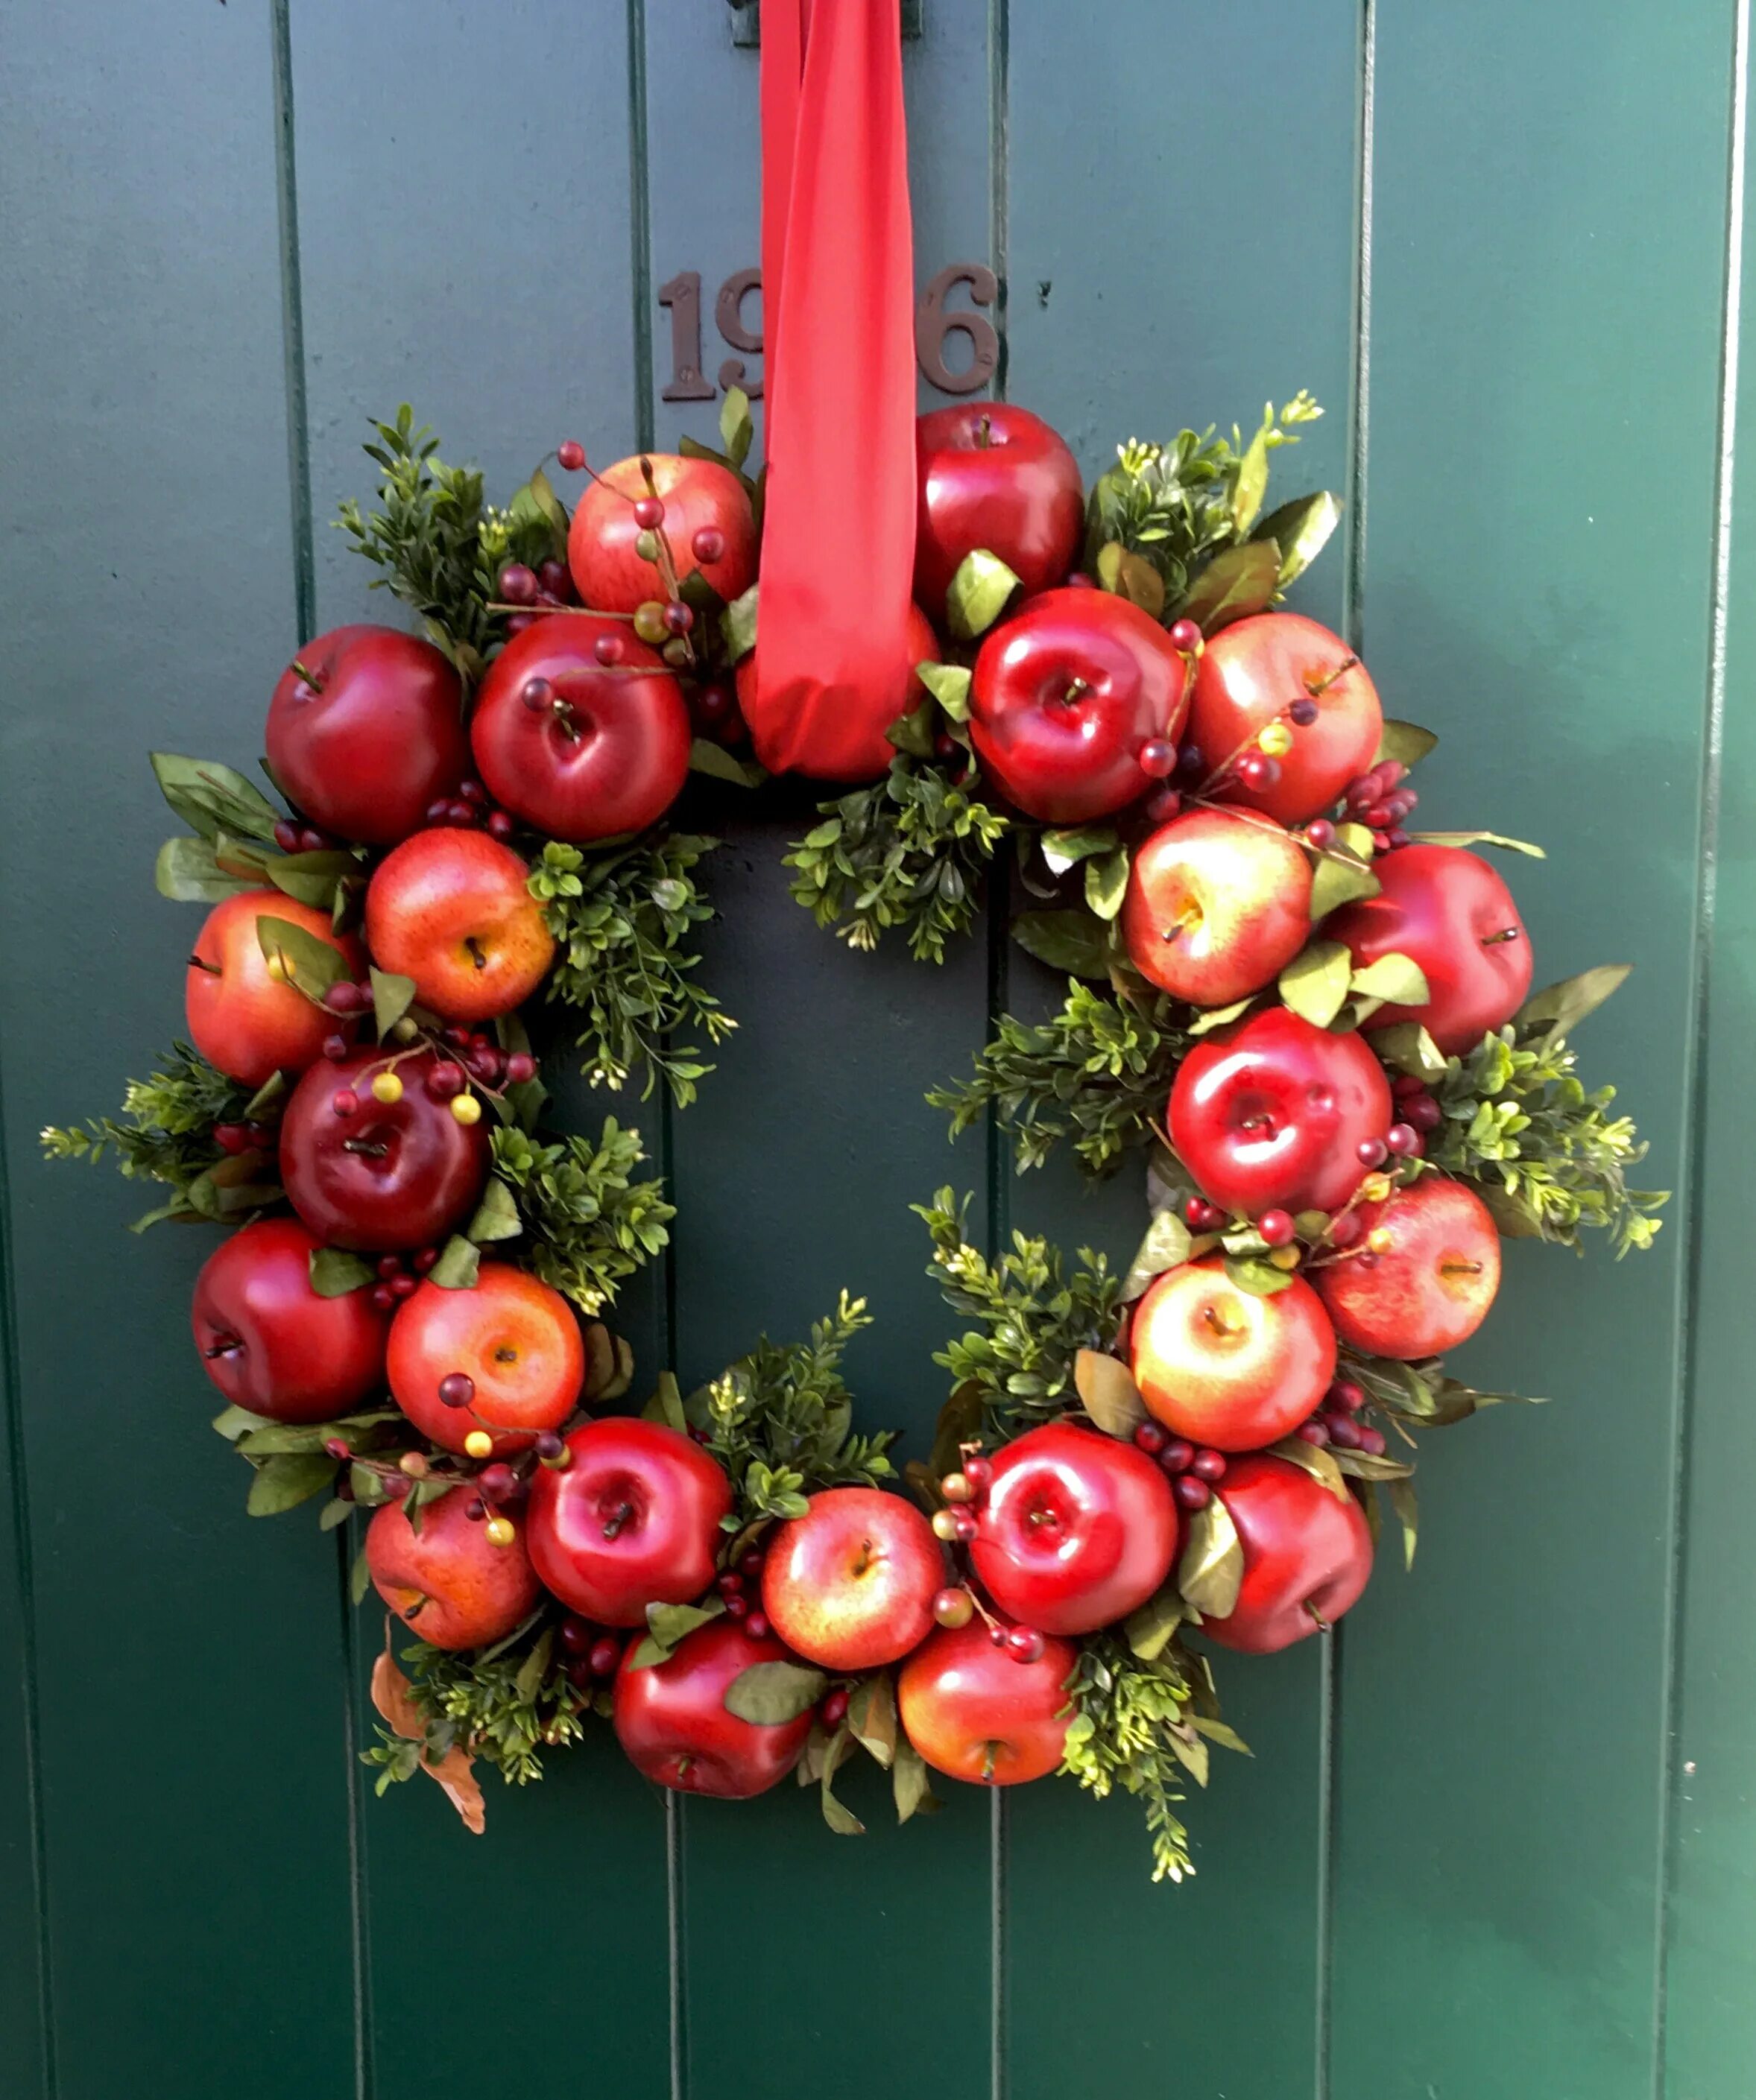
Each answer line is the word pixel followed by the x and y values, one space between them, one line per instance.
pixel 464 203
pixel 194 1782
pixel 794 1172
pixel 1545 335
pixel 1710 2027
pixel 1158 278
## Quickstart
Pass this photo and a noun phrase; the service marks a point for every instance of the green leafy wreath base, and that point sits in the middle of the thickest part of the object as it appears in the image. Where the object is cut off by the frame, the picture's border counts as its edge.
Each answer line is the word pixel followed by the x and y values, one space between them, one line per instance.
pixel 1180 529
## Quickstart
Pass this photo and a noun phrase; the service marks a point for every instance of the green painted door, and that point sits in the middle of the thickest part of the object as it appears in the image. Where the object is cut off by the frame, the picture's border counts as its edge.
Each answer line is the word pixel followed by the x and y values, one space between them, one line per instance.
pixel 1498 1841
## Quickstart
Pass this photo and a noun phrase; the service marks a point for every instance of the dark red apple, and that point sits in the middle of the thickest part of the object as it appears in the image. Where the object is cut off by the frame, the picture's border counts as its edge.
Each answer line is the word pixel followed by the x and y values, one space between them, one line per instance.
pixel 850 1584
pixel 270 1343
pixel 365 730
pixel 1066 697
pixel 706 519
pixel 1217 906
pixel 1430 1287
pixel 993 476
pixel 1075 1530
pixel 633 1520
pixel 1308 1555
pixel 672 1720
pixel 1271 1114
pixel 975 1713
pixel 569 736
pixel 385 1176
pixel 1225 1368
pixel 1451 912
pixel 1249 675
pixel 449 1581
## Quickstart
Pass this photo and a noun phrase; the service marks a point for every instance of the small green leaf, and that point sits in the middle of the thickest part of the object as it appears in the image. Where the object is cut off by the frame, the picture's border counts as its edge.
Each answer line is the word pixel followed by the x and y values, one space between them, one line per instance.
pixel 458 1265
pixel 1131 576
pixel 909 1784
pixel 978 593
pixel 913 734
pixel 1216 1731
pixel 1213 1565
pixel 1402 1500
pixel 1406 1047
pixel 1397 978
pixel 1258 1276
pixel 1314 984
pixel 1339 879
pixel 718 763
pixel 391 997
pixel 311 878
pixel 1217 1017
pixel 1108 1392
pixel 949 685
pixel 1166 1244
pixel 1241 580
pixel 669 1623
pixel 770 1693
pixel 334 1272
pixel 1149 1631
pixel 233 1422
pixel 187 872
pixel 496 1216
pixel 358 1579
pixel 310 960
pixel 666 1405
pixel 284 1483
pixel 1107 883
pixel 1406 741
pixel 1064 849
pixel 737 624
pixel 737 429
pixel 1071 941
pixel 1559 1007
pixel 843 1821
pixel 333 1515
pixel 1319 1464
pixel 1480 839
pixel 211 798
pixel 1301 530
pixel 872 1718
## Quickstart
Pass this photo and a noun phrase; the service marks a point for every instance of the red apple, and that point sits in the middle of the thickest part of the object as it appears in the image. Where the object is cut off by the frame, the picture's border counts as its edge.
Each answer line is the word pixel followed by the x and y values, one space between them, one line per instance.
pixel 365 730
pixel 452 910
pixel 1075 1530
pixel 706 523
pixel 1217 906
pixel 512 1338
pixel 593 751
pixel 1224 1367
pixel 633 1520
pixel 1271 1114
pixel 270 1343
pixel 242 1018
pixel 1065 697
pixel 864 755
pixel 975 1713
pixel 996 476
pixel 671 1718
pixel 1249 675
pixel 448 1579
pixel 1308 1554
pixel 387 1176
pixel 850 1584
pixel 1451 912
pixel 1431 1288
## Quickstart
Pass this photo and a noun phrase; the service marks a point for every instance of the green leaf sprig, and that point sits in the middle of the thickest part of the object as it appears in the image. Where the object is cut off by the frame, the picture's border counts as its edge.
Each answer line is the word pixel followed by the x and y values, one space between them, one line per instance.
pixel 507 1705
pixel 590 1224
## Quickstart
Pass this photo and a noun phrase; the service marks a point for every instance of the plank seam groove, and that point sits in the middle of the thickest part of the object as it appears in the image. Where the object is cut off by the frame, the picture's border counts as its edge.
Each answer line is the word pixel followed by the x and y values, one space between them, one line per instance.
pixel 640 228
pixel 12 1389
pixel 293 329
pixel 1689 1283
pixel 999 119
pixel 353 1779
pixel 673 1883
pixel 1329 1726
pixel 1360 406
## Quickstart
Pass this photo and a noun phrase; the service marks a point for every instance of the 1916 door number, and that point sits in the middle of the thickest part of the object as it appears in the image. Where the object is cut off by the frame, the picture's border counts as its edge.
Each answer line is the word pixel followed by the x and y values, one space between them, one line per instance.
pixel 936 322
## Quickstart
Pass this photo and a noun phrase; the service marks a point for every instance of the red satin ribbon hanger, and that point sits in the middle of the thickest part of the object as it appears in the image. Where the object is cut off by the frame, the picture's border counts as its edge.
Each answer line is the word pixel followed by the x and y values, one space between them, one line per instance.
pixel 833 654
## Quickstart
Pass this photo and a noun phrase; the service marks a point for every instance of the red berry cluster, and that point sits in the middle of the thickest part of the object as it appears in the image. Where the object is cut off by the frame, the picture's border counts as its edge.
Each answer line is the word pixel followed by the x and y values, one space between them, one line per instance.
pixel 1379 800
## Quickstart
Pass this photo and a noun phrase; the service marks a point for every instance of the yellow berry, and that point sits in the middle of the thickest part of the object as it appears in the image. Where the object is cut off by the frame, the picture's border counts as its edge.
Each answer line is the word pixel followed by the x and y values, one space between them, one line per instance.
pixel 386 1087
pixel 945 1524
pixel 405 1030
pixel 479 1444
pixel 956 1488
pixel 1284 1257
pixel 414 1464
pixel 467 1109
pixel 276 967
pixel 1380 1240
pixel 1275 741
pixel 1375 1188
pixel 649 621
pixel 499 1531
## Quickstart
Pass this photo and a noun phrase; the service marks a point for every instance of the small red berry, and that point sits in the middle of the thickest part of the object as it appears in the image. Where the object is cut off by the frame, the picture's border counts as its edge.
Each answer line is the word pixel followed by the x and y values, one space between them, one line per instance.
pixel 1276 1228
pixel 1177 1456
pixel 607 649
pixel 1151 1438
pixel 1209 1466
pixel 1403 1138
pixel 1343 1432
pixel 1372 1152
pixel 757 1626
pixel 649 514
pixel 1303 712
pixel 517 585
pixel 521 1069
pixel 605 1655
pixel 1024 1644
pixel 1163 806
pixel 1372 1442
pixel 1192 1493
pixel 383 1298
pixel 1344 1394
pixel 1344 1229
pixel 500 825
pixel 495 1483
pixel 538 694
pixel 1312 1432
pixel 1158 757
pixel 1424 1112
pixel 345 1103
pixel 709 543
pixel 1185 636
pixel 834 1710
pixel 1320 833
pixel 571 454
pixel 730 1584
pixel 456 1389
pixel 425 1260
pixel 576 1636
pixel 338 1447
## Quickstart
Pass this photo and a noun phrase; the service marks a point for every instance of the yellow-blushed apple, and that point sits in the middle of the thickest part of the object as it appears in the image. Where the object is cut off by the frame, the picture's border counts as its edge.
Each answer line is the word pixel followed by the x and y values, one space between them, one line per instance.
pixel 1429 1273
pixel 1217 905
pixel 1225 1368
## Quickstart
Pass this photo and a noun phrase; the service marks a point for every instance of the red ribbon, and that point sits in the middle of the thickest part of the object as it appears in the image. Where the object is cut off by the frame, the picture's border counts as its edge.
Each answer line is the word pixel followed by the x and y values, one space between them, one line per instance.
pixel 833 654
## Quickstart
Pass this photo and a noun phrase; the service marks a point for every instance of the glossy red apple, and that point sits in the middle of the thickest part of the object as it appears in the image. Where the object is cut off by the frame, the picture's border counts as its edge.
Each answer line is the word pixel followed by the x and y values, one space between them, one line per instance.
pixel 1065 699
pixel 1431 1287
pixel 994 476
pixel 1249 675
pixel 511 1337
pixel 270 1343
pixel 365 729
pixel 975 1713
pixel 1271 1114
pixel 387 1175
pixel 1308 1555
pixel 449 1581
pixel 242 1017
pixel 568 736
pixel 1224 1367
pixel 1217 906
pixel 1075 1530
pixel 850 1584
pixel 672 1720
pixel 452 909
pixel 1451 912
pixel 633 1520
pixel 707 522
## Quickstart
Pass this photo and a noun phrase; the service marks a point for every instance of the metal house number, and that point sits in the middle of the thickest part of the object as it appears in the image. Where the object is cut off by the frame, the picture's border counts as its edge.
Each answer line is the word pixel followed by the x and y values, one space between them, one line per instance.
pixel 936 322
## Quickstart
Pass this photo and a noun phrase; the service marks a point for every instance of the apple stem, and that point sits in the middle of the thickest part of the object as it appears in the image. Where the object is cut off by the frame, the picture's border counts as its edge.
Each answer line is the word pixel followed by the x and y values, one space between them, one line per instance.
pixel 985 432
pixel 367 1148
pixel 988 1751
pixel 1323 683
pixel 311 677
pixel 474 947
pixel 416 1608
pixel 1505 933
pixel 1460 1269
pixel 1322 1624
pixel 617 1518
pixel 213 969
pixel 1076 691
pixel 222 1348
